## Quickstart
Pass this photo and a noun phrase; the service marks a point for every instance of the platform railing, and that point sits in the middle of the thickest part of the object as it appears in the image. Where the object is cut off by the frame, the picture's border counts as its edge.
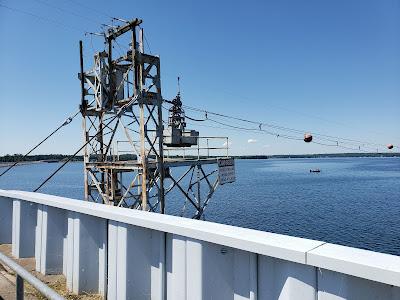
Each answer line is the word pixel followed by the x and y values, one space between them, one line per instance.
pixel 130 254
pixel 21 275
pixel 207 147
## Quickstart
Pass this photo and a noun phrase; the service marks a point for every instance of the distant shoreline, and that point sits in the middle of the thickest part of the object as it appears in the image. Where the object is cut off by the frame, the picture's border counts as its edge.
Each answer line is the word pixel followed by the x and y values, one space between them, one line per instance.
pixel 320 155
pixel 7 160
pixel 7 164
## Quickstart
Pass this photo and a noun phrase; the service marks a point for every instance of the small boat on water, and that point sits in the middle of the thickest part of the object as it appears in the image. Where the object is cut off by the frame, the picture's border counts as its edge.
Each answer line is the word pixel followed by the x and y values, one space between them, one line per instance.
pixel 51 161
pixel 315 170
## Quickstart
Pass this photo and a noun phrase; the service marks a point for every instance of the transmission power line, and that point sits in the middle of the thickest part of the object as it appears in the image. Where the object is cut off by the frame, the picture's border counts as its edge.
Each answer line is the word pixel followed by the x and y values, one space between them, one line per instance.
pixel 39 17
pixel 277 135
pixel 66 122
pixel 90 8
pixel 64 10
pixel 337 141
pixel 290 110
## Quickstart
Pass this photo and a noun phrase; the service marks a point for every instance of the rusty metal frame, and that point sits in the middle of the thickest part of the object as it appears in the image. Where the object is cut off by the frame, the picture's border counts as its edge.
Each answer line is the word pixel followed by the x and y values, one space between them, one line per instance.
pixel 110 84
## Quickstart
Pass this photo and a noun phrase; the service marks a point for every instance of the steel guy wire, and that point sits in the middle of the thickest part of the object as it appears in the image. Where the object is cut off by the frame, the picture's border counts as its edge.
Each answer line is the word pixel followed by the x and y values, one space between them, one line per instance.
pixel 282 128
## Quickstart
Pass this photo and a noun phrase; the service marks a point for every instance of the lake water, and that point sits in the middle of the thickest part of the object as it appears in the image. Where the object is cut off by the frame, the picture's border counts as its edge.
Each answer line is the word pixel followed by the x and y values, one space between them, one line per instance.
pixel 353 201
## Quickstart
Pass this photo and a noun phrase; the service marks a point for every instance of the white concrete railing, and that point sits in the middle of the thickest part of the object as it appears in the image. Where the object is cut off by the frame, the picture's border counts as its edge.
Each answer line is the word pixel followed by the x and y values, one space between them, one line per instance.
pixel 129 254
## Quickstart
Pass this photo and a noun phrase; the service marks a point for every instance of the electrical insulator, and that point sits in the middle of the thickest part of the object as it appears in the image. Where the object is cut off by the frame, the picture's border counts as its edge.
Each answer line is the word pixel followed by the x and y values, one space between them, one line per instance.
pixel 176 135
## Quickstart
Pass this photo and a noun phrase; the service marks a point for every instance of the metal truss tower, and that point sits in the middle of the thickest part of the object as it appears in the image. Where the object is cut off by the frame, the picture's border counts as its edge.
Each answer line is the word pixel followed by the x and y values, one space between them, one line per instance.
pixel 121 98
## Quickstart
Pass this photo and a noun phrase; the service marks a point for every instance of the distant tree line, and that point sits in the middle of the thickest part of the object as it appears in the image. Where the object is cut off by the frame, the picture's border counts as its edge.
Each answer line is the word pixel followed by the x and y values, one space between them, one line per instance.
pixel 56 157
pixel 41 157
pixel 383 154
pixel 60 157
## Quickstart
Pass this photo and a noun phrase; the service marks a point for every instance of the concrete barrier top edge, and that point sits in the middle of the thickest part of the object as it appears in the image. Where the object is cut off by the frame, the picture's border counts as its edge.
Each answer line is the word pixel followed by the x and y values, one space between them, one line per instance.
pixel 367 264
pixel 265 243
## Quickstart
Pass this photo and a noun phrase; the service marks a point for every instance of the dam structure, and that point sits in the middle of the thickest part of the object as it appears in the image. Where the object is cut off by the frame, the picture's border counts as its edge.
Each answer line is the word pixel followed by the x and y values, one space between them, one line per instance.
pixel 121 253
pixel 119 243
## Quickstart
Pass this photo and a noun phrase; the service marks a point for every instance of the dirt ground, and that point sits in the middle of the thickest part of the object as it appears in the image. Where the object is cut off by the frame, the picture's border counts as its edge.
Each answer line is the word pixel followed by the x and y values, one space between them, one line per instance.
pixel 56 282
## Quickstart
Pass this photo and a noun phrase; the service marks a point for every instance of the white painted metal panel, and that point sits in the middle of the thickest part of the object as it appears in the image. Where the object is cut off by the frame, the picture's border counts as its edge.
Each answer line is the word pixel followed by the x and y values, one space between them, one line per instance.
pixel 65 246
pixel 16 208
pixel 176 267
pixel 51 234
pixel 371 265
pixel 112 260
pixel 69 254
pixel 122 262
pixel 154 256
pixel 38 237
pixel 158 265
pixel 23 229
pixel 337 286
pixel 89 254
pixel 133 273
pixel 194 269
pixel 138 261
pixel 253 276
pixel 284 280
pixel 6 207
pixel 228 273
pixel 243 275
pixel 218 268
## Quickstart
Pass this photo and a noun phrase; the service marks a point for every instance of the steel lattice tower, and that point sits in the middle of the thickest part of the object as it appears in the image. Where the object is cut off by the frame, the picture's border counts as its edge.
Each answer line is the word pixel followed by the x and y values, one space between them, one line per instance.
pixel 121 96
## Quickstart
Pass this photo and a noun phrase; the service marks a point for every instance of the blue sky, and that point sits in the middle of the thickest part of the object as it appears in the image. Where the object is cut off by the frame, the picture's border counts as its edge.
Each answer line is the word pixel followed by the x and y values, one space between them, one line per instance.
pixel 323 66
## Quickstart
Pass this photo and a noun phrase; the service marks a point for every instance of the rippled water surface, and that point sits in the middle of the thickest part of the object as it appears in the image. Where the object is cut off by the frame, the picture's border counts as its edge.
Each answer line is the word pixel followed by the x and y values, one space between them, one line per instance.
pixel 353 201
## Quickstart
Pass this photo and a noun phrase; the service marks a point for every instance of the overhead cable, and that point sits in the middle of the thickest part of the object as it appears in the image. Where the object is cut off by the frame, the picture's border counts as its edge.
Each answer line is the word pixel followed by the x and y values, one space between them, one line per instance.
pixel 117 115
pixel 331 138
pixel 66 122
pixel 65 26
